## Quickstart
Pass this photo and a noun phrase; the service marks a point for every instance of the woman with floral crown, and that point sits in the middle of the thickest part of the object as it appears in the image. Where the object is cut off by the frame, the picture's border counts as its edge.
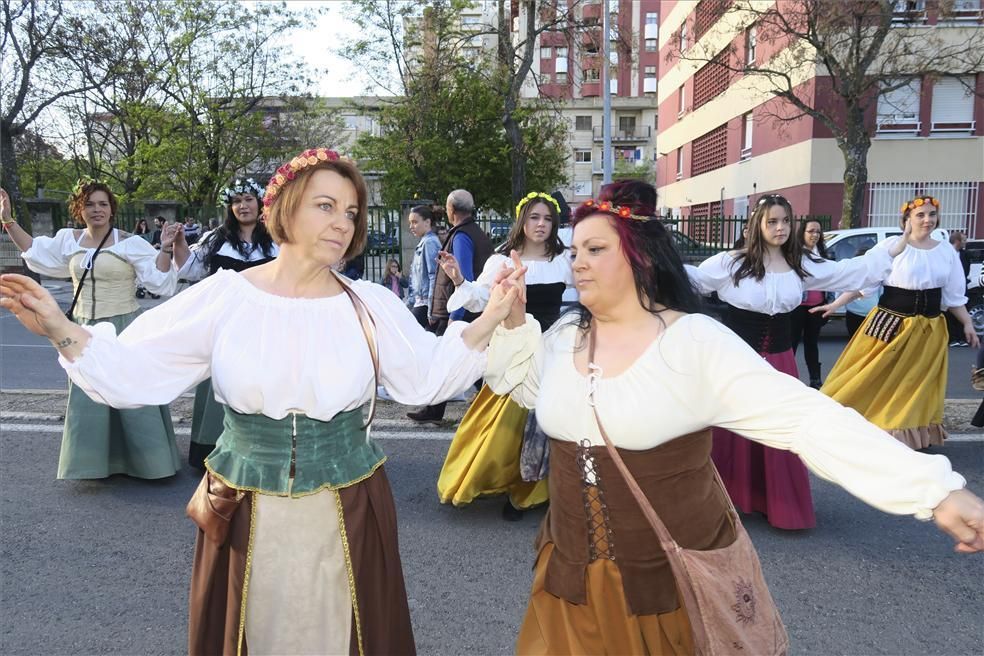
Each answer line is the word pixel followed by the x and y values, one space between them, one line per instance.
pixel 893 370
pixel 484 457
pixel 106 266
pixel 763 283
pixel 637 359
pixel 297 551
pixel 241 242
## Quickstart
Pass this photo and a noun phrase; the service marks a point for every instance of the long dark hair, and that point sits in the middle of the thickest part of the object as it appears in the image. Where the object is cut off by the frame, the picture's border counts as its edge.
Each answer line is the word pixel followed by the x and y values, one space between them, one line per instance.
pixel 751 259
pixel 517 236
pixel 821 244
pixel 230 233
pixel 656 264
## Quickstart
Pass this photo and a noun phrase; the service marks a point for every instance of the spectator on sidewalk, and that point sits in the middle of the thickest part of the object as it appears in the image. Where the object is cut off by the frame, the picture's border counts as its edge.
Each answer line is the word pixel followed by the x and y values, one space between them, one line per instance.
pixel 423 270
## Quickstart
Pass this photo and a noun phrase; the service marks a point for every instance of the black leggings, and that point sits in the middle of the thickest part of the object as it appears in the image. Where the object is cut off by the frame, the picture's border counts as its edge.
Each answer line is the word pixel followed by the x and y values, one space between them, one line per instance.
pixel 806 327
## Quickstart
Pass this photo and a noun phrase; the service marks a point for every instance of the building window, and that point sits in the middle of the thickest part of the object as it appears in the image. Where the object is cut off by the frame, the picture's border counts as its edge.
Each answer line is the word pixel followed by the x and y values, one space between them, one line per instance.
pixel 953 105
pixel 627 125
pixel 561 52
pixel 909 11
pixel 751 39
pixel 582 122
pixel 683 37
pixel 682 106
pixel 746 137
pixel 546 52
pixel 544 78
pixel 679 174
pixel 470 53
pixel 471 21
pixel 582 155
pixel 651 45
pixel 650 71
pixel 560 77
pixel 898 109
pixel 652 18
pixel 591 75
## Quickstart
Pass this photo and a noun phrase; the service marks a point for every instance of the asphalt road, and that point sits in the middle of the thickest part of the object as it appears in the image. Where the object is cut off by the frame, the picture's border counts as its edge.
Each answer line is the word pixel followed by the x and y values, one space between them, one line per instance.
pixel 101 567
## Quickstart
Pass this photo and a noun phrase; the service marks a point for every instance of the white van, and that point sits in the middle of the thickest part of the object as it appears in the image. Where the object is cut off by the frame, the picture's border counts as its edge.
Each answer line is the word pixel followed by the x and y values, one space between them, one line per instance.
pixel 843 244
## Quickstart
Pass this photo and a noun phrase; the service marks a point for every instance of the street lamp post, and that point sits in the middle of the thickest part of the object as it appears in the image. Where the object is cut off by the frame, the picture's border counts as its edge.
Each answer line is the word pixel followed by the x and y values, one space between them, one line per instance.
pixel 606 95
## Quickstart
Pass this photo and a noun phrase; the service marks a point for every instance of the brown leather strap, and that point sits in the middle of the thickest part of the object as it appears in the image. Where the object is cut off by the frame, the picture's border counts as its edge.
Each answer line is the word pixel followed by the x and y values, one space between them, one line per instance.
pixel 666 540
pixel 369 331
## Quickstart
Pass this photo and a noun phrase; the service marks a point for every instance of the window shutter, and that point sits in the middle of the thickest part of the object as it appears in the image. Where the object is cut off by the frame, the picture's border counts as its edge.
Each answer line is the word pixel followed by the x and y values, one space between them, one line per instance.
pixel 953 105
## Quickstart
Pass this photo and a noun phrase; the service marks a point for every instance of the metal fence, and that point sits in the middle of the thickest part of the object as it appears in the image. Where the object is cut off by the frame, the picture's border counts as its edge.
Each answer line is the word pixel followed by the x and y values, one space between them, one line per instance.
pixel 958 203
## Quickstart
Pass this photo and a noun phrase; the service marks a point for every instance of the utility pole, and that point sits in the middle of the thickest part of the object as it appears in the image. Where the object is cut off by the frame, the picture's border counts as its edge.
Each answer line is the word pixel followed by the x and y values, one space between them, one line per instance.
pixel 606 95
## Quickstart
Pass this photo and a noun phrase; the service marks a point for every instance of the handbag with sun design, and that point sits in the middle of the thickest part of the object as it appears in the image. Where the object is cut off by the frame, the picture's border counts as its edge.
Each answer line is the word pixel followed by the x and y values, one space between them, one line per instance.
pixel 723 590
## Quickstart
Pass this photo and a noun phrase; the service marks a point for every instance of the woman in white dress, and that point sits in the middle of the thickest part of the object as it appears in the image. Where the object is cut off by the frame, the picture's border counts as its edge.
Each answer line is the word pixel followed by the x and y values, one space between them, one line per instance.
pixel 893 370
pixel 300 555
pixel 97 440
pixel 661 375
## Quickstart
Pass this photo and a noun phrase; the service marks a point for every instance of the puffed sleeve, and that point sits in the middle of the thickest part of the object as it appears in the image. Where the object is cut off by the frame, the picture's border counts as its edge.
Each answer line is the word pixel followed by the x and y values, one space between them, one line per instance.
pixel 955 288
pixel 736 389
pixel 516 357
pixel 48 255
pixel 143 257
pixel 164 352
pixel 416 366
pixel 713 274
pixel 474 295
pixel 850 274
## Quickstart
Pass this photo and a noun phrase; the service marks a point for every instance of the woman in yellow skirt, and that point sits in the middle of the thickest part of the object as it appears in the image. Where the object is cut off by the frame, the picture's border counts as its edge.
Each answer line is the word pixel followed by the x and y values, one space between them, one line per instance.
pixel 484 457
pixel 893 370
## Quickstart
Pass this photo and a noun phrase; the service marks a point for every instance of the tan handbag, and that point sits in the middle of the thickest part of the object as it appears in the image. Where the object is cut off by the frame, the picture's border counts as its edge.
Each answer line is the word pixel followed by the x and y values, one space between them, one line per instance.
pixel 723 590
pixel 214 503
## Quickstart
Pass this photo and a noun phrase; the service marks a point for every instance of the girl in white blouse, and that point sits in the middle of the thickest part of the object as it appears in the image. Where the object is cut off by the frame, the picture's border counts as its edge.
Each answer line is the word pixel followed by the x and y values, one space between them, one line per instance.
pixel 893 370
pixel 298 552
pixel 97 440
pixel 763 284
pixel 661 372
pixel 484 456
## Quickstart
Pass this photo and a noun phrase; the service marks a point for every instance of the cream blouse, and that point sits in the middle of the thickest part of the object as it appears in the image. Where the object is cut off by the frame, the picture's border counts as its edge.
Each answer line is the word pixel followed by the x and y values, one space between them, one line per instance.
pixel 697 374
pixel 273 355
pixel 917 268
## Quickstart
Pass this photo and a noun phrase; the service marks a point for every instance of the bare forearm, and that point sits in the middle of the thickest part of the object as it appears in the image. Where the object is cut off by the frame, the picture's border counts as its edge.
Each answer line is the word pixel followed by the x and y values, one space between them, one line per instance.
pixel 19 236
pixel 960 314
pixel 163 261
pixel 479 332
pixel 181 254
pixel 70 339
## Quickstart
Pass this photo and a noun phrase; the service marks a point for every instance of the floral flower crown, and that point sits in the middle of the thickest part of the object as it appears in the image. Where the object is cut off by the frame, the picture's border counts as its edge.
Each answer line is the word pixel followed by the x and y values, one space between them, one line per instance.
pixel 547 198
pixel 621 211
pixel 289 171
pixel 919 202
pixel 239 187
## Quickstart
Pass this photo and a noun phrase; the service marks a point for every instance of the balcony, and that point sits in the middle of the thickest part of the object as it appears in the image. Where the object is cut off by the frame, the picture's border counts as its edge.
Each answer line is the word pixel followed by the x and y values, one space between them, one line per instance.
pixel 591 89
pixel 967 127
pixel 898 124
pixel 636 134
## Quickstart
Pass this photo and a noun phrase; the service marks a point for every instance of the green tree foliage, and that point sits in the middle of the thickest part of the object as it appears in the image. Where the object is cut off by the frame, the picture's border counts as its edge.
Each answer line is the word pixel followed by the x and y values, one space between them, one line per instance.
pixel 451 136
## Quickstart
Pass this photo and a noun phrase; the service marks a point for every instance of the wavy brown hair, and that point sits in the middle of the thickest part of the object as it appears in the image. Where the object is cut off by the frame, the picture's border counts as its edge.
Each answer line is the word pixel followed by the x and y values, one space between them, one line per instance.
pixel 77 201
pixel 751 258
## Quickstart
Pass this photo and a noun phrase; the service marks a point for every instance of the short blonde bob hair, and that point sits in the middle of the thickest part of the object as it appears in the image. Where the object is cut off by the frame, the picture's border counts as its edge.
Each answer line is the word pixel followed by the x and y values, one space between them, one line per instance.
pixel 280 213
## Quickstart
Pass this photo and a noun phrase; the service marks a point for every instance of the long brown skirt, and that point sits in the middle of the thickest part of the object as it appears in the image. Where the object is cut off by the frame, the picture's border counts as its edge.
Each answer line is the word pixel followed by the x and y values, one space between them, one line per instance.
pixel 380 622
pixel 603 625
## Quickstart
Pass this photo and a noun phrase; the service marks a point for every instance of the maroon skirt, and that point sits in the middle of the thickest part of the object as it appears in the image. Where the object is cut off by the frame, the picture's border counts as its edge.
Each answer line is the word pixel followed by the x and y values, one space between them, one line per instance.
pixel 762 479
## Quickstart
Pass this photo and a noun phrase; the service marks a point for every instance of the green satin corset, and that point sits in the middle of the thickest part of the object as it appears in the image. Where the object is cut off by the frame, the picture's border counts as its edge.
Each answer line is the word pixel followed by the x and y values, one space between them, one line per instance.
pixel 262 454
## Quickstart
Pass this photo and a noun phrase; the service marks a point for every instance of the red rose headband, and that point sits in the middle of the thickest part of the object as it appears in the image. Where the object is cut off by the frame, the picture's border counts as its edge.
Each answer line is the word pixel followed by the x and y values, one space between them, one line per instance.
pixel 288 172
pixel 621 211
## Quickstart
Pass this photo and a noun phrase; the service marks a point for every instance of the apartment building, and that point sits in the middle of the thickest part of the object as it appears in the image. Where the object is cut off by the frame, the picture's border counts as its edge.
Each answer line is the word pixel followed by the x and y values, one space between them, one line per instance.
pixel 720 148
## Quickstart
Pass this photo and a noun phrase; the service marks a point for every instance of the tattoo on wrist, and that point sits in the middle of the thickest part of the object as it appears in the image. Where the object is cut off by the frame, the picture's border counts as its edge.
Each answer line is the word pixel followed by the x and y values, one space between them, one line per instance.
pixel 63 343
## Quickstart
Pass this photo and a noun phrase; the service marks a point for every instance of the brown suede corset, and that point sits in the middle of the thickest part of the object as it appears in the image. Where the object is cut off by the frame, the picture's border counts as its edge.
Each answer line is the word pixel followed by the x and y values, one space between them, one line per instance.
pixel 593 515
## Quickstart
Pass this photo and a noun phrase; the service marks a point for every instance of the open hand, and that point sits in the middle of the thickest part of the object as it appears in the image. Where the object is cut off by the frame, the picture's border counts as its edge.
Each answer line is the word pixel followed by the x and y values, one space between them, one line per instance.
pixel 970 335
pixel 451 267
pixel 824 310
pixel 31 303
pixel 4 206
pixel 961 515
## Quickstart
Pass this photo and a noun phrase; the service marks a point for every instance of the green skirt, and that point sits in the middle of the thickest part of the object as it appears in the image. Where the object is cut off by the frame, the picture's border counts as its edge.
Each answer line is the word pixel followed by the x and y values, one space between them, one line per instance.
pixel 99 441
pixel 206 424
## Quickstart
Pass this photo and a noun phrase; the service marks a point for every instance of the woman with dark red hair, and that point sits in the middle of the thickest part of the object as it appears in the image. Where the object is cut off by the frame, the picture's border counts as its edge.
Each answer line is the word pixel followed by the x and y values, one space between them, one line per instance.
pixel 659 374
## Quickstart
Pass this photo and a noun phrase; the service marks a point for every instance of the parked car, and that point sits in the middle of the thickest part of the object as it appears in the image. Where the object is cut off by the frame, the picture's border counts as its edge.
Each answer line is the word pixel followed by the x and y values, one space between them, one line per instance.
pixel 379 242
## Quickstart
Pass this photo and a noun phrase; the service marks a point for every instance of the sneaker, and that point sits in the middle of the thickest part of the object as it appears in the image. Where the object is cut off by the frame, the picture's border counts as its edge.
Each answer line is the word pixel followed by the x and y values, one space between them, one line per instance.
pixel 955 343
pixel 155 296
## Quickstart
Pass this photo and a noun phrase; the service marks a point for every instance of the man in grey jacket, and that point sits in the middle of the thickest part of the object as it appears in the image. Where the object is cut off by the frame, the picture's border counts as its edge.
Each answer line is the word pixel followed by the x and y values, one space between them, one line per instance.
pixel 423 270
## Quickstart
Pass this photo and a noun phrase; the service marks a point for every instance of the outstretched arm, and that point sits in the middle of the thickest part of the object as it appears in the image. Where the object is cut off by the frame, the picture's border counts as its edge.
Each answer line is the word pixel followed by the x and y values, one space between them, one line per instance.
pixel 17 234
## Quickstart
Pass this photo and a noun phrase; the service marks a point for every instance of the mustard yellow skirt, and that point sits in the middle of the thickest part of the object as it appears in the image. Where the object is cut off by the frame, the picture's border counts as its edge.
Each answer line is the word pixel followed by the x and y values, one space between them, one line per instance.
pixel 603 625
pixel 483 459
pixel 900 385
